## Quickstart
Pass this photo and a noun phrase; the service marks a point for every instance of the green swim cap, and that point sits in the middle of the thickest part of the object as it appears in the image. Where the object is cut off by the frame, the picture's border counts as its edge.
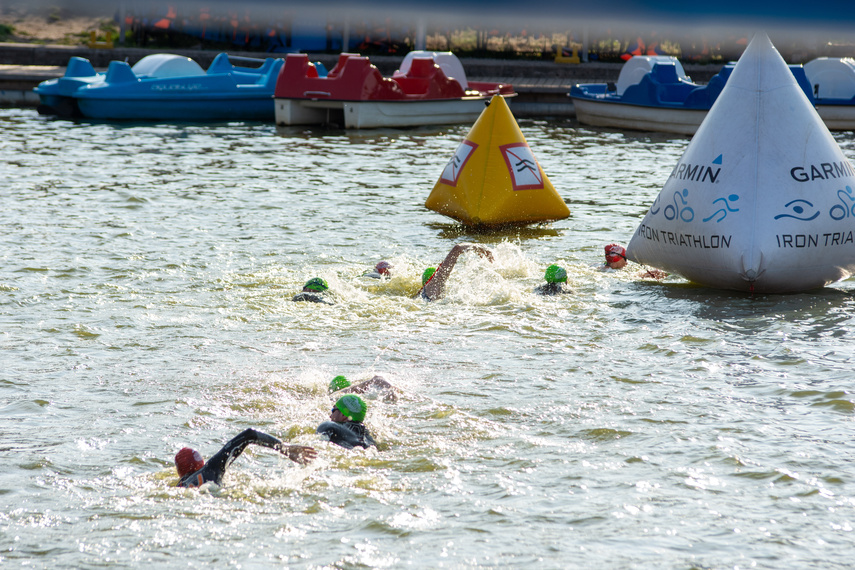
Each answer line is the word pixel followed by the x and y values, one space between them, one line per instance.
pixel 555 274
pixel 338 383
pixel 316 284
pixel 352 407
pixel 428 274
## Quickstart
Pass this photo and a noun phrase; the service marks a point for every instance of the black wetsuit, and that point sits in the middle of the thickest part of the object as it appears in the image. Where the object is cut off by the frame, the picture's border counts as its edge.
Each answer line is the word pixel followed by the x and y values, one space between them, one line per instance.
pixel 313 297
pixel 215 468
pixel 552 289
pixel 347 434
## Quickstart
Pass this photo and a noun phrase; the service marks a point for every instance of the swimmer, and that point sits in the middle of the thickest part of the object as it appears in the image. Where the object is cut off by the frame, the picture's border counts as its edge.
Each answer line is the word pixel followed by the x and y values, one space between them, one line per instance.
pixel 315 290
pixel 346 428
pixel 616 259
pixel 195 471
pixel 383 270
pixel 434 278
pixel 615 256
pixel 376 386
pixel 556 277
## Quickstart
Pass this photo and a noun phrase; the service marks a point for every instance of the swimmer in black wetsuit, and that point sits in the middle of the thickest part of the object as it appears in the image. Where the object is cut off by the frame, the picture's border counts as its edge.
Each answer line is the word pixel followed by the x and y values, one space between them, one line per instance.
pixel 315 290
pixel 555 277
pixel 194 471
pixel 433 280
pixel 346 428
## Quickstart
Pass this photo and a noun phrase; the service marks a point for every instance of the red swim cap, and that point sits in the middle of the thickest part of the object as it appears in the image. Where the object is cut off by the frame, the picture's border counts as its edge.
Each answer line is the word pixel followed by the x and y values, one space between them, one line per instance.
pixel 188 461
pixel 383 267
pixel 614 253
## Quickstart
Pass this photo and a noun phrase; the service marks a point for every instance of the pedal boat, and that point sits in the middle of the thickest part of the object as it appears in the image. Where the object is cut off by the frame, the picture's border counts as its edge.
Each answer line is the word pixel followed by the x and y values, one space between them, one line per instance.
pixel 430 88
pixel 653 93
pixel 173 87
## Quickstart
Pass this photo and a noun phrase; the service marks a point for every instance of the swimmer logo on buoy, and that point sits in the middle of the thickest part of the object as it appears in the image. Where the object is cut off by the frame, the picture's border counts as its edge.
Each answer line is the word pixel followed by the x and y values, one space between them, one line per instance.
pixel 493 178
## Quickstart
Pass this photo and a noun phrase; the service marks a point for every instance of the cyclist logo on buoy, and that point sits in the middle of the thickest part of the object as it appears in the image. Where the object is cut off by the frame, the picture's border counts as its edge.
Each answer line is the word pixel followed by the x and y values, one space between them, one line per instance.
pixel 452 170
pixel 525 173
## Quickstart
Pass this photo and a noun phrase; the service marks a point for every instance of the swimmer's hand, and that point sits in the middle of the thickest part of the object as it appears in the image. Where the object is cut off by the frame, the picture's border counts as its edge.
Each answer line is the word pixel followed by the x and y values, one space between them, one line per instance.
pixel 654 274
pixel 479 249
pixel 299 453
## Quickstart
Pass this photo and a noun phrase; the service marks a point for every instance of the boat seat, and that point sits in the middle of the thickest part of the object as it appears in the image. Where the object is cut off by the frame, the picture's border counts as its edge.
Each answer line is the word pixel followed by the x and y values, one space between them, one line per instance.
pixel 665 73
pixel 675 93
pixel 221 64
pixel 79 67
pixel 294 70
pixel 119 72
pixel 360 81
pixel 416 81
pixel 801 78
pixel 426 79
pixel 339 66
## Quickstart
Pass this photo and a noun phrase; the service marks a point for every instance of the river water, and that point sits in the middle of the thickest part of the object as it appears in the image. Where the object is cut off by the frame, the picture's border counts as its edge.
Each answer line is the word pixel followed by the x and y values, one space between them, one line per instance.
pixel 147 272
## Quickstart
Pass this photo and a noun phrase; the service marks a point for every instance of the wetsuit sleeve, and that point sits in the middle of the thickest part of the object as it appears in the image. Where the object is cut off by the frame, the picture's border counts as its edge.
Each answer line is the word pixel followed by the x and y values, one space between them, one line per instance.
pixel 215 468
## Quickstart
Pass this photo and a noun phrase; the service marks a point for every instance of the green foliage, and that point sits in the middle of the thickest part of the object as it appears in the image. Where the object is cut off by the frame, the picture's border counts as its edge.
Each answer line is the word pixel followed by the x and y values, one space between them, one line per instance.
pixel 6 32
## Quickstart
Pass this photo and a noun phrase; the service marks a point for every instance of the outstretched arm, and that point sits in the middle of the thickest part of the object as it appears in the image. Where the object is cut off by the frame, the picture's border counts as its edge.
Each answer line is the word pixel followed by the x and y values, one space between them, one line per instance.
pixel 232 450
pixel 435 287
pixel 215 469
pixel 298 453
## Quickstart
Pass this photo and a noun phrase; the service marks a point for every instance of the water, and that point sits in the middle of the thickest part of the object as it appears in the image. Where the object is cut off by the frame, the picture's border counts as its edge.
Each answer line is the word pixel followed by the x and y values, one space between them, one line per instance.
pixel 145 290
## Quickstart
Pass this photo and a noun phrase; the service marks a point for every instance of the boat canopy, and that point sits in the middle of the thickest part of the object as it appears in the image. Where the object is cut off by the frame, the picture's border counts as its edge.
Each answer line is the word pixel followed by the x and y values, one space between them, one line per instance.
pixel 832 77
pixel 638 66
pixel 163 65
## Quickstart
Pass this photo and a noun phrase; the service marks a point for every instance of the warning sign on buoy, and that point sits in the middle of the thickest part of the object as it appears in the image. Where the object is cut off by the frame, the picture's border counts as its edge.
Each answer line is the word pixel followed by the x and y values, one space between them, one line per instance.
pixel 493 178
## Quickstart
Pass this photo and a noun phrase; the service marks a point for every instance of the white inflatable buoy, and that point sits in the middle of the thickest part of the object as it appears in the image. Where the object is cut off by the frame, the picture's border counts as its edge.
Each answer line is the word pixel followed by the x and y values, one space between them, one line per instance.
pixel 763 199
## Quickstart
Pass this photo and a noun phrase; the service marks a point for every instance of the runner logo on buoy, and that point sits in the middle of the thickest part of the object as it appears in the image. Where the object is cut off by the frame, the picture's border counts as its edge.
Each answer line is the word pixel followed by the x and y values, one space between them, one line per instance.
pixel 525 173
pixel 455 166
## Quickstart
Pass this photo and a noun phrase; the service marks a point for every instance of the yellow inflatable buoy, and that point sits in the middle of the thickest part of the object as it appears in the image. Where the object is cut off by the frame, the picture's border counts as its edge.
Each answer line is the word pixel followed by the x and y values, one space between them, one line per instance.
pixel 493 178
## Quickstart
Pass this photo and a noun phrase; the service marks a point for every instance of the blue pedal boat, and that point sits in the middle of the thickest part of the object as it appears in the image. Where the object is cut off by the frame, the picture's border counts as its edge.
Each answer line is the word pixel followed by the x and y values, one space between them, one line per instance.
pixel 653 93
pixel 174 87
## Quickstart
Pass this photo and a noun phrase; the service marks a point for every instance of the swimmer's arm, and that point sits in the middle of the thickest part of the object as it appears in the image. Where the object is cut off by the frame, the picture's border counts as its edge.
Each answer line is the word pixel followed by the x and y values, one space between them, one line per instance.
pixel 232 450
pixel 433 289
pixel 654 274
pixel 375 383
pixel 298 453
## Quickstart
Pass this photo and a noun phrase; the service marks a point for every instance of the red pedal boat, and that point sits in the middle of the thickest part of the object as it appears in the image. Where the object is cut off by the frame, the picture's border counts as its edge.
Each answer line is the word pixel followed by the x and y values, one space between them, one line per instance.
pixel 430 88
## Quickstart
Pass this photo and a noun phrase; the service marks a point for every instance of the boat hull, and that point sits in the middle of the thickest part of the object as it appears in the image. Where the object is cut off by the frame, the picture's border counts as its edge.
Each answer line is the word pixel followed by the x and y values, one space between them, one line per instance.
pixel 184 109
pixel 636 117
pixel 837 117
pixel 378 114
